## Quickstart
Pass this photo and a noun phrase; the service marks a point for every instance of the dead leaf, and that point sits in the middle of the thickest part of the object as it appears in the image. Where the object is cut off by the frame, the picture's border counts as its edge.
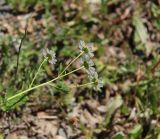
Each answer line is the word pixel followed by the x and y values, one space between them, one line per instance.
pixel 47 127
pixel 59 137
pixel 23 137
pixel 90 120
pixel 12 136
pixel 113 105
pixel 44 115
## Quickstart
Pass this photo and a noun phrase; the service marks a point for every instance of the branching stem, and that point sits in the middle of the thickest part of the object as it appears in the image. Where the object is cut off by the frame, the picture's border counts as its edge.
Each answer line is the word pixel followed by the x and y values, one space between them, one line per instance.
pixel 71 63
pixel 38 71
pixel 43 84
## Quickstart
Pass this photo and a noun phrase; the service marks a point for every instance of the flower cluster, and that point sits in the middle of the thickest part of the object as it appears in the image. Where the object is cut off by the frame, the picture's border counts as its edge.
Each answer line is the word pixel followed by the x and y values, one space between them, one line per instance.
pixel 86 61
pixel 50 54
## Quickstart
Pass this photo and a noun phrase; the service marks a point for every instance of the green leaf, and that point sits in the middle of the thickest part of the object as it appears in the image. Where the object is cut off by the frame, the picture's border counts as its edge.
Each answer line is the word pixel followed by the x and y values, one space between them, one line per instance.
pixel 119 135
pixel 62 87
pixel 154 102
pixel 155 10
pixel 63 90
pixel 157 24
pixel 14 102
pixel 141 35
pixel 141 31
pixel 135 133
pixel 1 136
pixel 67 98
pixel 125 109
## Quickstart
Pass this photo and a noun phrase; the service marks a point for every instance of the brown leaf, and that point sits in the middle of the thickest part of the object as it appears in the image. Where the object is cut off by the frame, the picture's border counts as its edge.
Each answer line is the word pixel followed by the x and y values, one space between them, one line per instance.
pixel 47 127
pixel 44 115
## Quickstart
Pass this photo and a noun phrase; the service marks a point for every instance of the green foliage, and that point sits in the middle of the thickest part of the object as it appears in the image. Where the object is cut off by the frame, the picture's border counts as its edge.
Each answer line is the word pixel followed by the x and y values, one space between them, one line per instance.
pixel 87 132
pixel 58 2
pixel 5 43
pixel 8 105
pixel 157 24
pixel 1 136
pixel 104 7
pixel 119 135
pixel 135 133
pixel 141 35
pixel 23 5
pixel 156 13
pixel 62 87
pixel 155 10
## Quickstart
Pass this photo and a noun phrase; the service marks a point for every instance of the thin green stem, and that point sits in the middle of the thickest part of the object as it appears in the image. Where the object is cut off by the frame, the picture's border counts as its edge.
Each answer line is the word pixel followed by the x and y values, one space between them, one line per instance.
pixel 43 84
pixel 71 63
pixel 38 71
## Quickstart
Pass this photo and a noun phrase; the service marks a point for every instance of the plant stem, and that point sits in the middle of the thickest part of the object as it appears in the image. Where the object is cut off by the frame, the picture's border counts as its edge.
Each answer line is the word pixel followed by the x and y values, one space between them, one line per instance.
pixel 71 63
pixel 19 49
pixel 38 71
pixel 43 84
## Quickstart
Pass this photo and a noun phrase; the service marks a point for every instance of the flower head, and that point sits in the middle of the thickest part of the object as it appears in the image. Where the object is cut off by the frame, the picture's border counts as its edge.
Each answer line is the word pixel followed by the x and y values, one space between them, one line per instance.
pixel 98 85
pixel 92 73
pixel 50 54
pixel 87 62
pixel 86 48
pixel 81 44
